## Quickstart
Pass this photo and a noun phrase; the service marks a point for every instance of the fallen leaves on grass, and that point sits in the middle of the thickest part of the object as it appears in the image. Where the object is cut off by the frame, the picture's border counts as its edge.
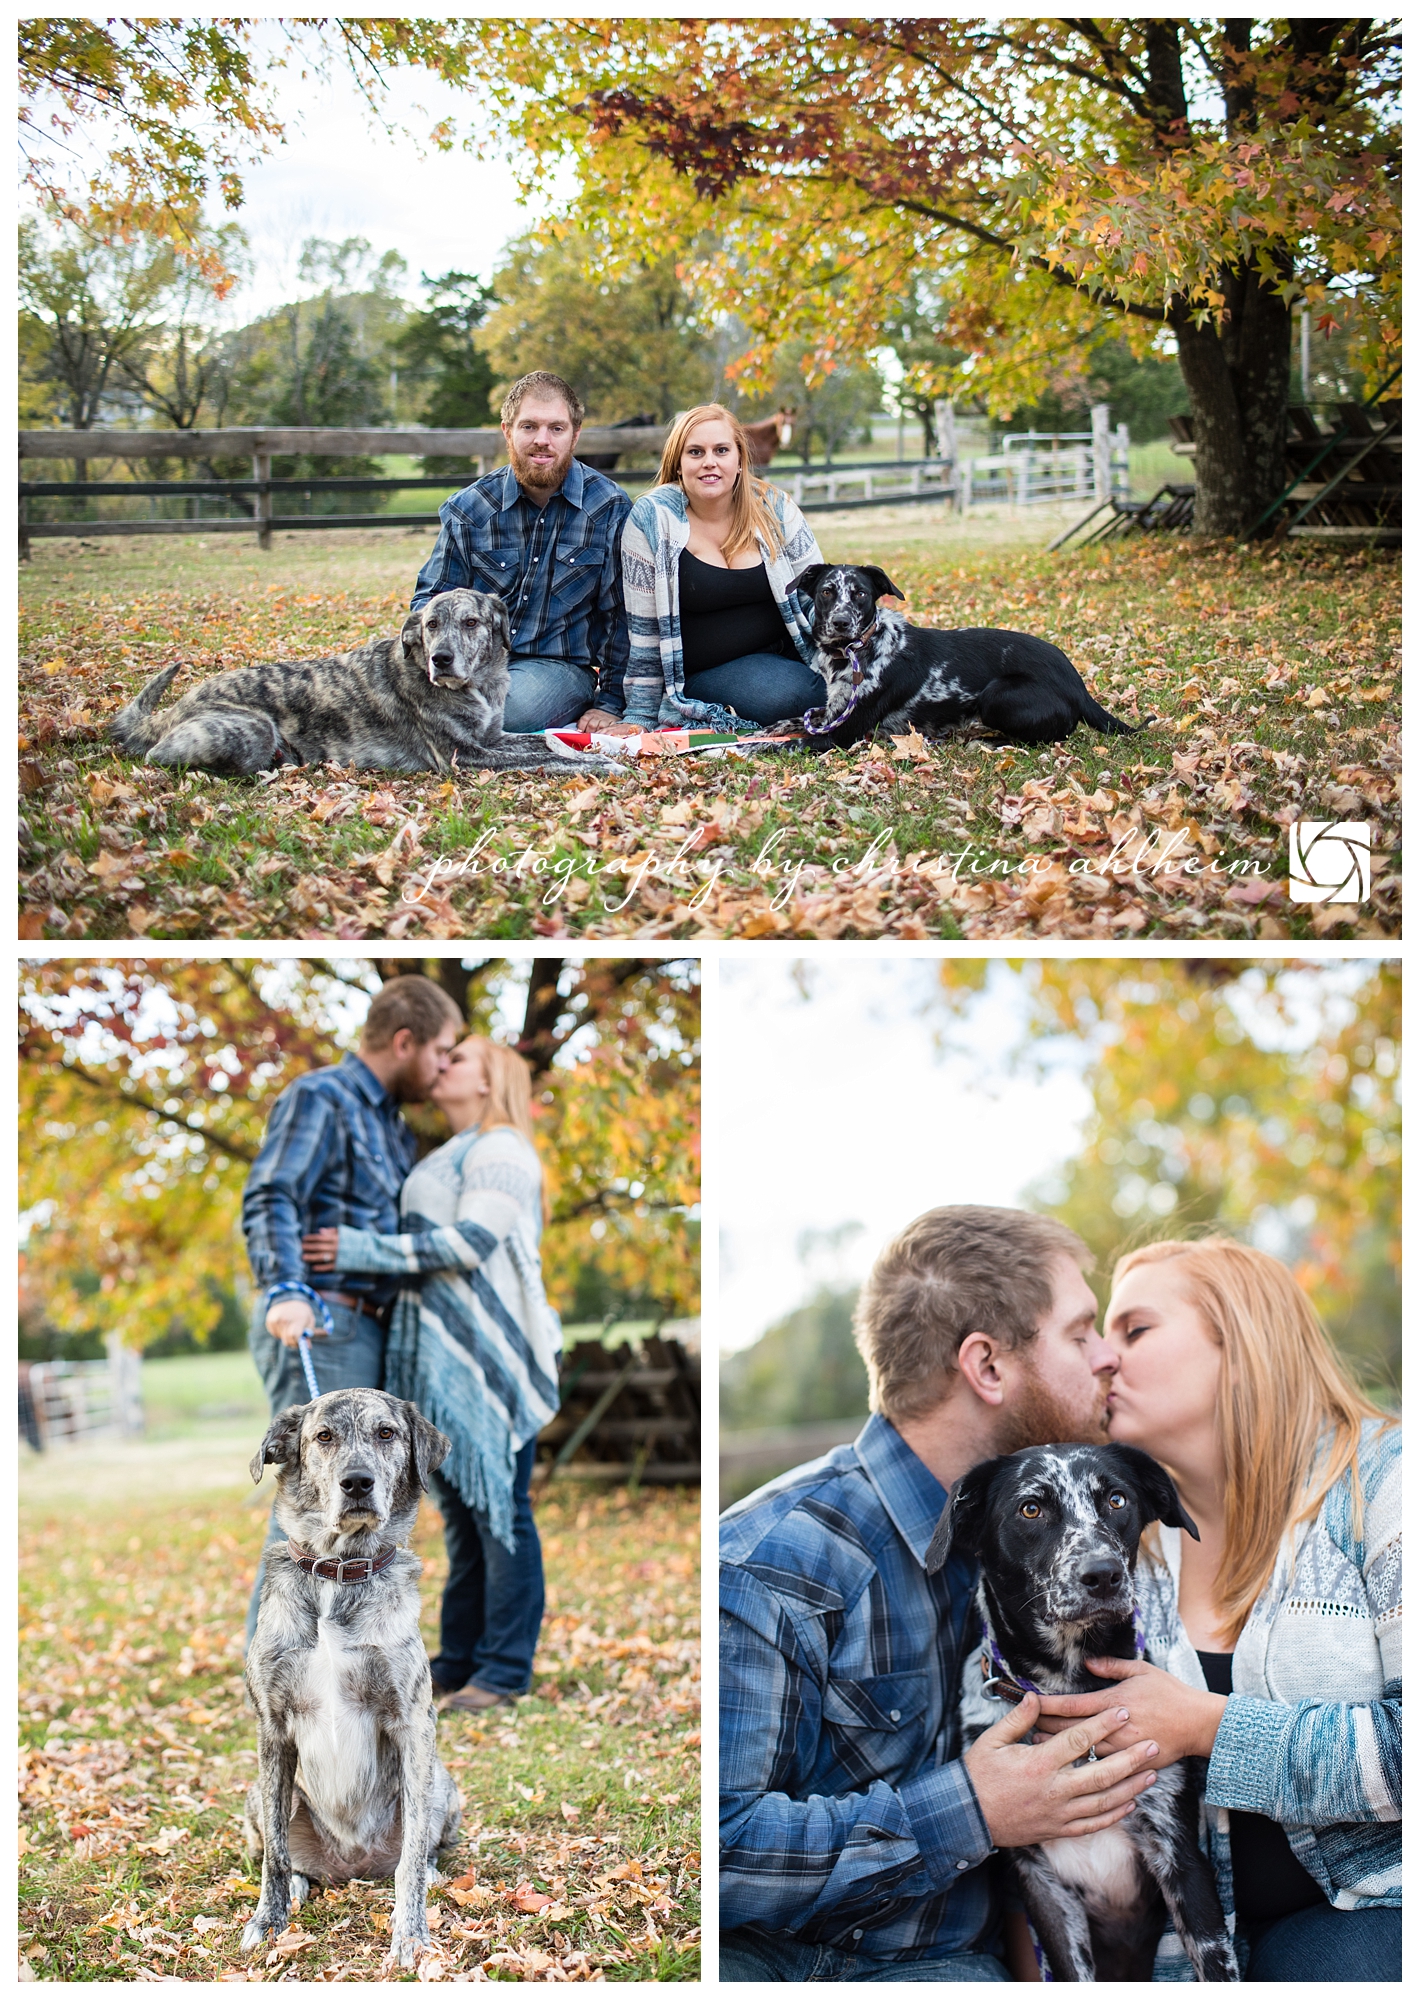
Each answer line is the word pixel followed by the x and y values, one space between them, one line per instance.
pixel 578 1852
pixel 1265 689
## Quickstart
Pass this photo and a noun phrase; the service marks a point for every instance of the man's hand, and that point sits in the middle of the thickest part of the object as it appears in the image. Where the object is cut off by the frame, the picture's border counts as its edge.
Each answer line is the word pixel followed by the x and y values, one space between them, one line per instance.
pixel 288 1318
pixel 1033 1792
pixel 318 1250
pixel 1182 1720
pixel 605 724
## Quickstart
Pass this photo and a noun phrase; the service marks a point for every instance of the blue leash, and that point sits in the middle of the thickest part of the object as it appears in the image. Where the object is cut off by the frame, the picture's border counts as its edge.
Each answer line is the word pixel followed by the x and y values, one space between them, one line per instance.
pixel 303 1339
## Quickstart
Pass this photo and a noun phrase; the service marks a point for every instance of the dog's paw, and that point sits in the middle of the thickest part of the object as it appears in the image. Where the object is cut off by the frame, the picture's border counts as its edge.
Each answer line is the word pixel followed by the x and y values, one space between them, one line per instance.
pixel 406 1950
pixel 258 1930
pixel 300 1890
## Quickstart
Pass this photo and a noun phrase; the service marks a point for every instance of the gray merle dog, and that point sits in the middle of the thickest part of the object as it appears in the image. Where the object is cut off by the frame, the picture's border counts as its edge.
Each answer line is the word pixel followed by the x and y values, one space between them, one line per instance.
pixel 350 1783
pixel 1056 1531
pixel 430 700
pixel 883 673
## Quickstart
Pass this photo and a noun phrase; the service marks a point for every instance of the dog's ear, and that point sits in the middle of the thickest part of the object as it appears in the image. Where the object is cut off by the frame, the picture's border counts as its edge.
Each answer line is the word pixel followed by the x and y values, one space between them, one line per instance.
pixel 502 630
pixel 282 1443
pixel 428 1447
pixel 808 580
pixel 1158 1496
pixel 411 636
pixel 962 1517
pixel 883 585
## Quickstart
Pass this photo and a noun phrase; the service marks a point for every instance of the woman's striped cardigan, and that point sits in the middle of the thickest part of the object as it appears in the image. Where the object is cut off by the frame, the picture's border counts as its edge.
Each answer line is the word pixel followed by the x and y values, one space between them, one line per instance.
pixel 474 1343
pixel 657 529
pixel 1311 1732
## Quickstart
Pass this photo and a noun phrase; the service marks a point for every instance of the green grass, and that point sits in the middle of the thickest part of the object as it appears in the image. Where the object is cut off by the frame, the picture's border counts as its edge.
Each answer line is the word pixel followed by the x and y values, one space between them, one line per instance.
pixel 182 1392
pixel 1266 681
pixel 581 1828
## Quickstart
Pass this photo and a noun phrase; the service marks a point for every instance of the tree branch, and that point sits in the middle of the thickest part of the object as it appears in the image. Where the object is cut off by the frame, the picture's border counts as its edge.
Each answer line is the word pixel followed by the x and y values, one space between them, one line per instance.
pixel 145 1103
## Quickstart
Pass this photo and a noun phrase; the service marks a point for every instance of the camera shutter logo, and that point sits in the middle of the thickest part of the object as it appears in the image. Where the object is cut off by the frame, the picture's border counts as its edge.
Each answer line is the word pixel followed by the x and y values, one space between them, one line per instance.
pixel 1330 860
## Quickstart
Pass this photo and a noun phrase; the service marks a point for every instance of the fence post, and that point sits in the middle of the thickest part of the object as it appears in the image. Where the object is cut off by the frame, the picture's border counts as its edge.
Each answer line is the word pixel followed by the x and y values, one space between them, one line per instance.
pixel 261 470
pixel 946 415
pixel 125 1386
pixel 1122 481
pixel 1099 427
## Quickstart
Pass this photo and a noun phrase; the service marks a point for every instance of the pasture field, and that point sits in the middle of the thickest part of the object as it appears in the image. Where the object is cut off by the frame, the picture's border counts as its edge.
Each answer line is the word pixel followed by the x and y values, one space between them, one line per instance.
pixel 1267 682
pixel 581 1822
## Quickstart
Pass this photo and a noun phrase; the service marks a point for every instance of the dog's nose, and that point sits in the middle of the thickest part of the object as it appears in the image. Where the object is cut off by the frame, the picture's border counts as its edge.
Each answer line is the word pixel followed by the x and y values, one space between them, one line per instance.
pixel 357 1485
pixel 1102 1577
pixel 442 658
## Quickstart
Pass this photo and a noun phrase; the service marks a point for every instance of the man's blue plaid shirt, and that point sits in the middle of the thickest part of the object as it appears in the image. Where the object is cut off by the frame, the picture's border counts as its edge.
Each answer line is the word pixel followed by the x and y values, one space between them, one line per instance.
pixel 847 1817
pixel 336 1152
pixel 557 567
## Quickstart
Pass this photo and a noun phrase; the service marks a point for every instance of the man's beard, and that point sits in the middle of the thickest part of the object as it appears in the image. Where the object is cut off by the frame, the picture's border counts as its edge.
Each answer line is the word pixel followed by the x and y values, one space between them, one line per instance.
pixel 544 475
pixel 1038 1416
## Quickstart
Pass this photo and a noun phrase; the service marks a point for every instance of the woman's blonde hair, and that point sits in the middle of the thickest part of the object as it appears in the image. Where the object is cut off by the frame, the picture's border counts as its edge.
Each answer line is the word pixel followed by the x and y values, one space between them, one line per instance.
pixel 751 516
pixel 1283 1390
pixel 509 1093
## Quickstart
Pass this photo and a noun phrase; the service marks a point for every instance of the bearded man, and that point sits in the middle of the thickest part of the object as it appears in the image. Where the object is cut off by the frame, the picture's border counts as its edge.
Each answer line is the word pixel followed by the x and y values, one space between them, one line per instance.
pixel 544 533
pixel 854 1831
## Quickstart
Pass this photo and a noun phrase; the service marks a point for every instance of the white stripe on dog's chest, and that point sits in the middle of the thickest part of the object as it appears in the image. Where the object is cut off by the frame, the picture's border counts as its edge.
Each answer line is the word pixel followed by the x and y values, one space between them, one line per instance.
pixel 1104 1867
pixel 335 1737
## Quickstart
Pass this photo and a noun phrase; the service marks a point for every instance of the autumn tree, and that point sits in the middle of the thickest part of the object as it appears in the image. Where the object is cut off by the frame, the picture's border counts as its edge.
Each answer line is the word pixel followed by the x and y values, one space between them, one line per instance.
pixel 1258 1098
pixel 437 352
pixel 88 310
pixel 177 109
pixel 1061 180
pixel 629 342
pixel 146 1085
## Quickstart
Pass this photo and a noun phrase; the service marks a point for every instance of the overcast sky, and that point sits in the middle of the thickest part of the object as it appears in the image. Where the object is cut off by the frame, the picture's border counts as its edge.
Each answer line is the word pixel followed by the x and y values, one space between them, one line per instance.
pixel 841 1110
pixel 338 175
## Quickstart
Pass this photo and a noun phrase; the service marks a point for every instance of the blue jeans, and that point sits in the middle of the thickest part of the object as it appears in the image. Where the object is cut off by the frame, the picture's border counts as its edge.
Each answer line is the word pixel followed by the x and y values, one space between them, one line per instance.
pixel 352 1356
pixel 745 1955
pixel 1322 1944
pixel 764 687
pixel 493 1600
pixel 546 694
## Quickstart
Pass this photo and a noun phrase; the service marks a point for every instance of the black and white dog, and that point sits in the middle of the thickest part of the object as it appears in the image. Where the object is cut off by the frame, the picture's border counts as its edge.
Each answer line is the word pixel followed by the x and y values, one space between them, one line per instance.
pixel 883 673
pixel 1056 1531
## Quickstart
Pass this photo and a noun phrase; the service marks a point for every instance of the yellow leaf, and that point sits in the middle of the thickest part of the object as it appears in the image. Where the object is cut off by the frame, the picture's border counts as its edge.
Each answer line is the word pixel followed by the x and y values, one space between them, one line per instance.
pixel 109 867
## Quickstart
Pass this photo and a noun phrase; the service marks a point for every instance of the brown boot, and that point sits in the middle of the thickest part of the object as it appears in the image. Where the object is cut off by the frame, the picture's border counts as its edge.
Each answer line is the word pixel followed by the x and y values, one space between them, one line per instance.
pixel 473 1699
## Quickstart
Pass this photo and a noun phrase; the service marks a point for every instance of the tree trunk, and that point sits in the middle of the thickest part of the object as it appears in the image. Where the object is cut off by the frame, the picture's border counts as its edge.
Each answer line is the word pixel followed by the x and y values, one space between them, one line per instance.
pixel 1237 378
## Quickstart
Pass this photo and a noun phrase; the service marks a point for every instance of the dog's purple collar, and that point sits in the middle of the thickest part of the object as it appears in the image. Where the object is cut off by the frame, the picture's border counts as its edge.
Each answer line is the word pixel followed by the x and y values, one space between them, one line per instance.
pixel 341 1569
pixel 1002 1685
pixel 850 652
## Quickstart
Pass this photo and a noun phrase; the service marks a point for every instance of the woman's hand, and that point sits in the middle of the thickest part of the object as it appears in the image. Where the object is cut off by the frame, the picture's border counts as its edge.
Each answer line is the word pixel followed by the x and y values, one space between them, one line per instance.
pixel 1182 1720
pixel 318 1250
pixel 606 725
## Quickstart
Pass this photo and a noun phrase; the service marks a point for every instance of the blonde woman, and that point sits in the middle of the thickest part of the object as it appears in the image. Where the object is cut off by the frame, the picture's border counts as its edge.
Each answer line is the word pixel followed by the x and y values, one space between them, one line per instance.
pixel 1279 1629
pixel 474 1344
pixel 719 638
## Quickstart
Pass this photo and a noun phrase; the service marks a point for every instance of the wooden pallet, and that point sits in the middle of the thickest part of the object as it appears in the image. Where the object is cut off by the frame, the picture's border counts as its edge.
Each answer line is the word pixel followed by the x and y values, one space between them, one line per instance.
pixel 629 1412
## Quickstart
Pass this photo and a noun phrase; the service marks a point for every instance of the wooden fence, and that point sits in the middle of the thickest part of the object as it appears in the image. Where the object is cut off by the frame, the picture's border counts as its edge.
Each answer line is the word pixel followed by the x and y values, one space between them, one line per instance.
pixel 482 448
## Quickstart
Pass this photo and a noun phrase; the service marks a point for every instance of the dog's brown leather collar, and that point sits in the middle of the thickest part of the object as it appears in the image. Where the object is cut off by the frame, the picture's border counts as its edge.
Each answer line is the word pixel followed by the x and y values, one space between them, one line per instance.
pixel 341 1569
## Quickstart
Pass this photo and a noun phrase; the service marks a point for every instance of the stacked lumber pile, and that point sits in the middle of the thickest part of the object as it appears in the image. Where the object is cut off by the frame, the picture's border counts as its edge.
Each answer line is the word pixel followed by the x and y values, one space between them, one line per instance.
pixel 630 1406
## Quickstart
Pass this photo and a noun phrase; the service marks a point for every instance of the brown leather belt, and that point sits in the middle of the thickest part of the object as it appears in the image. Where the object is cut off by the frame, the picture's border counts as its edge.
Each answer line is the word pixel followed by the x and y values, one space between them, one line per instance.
pixel 351 1303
